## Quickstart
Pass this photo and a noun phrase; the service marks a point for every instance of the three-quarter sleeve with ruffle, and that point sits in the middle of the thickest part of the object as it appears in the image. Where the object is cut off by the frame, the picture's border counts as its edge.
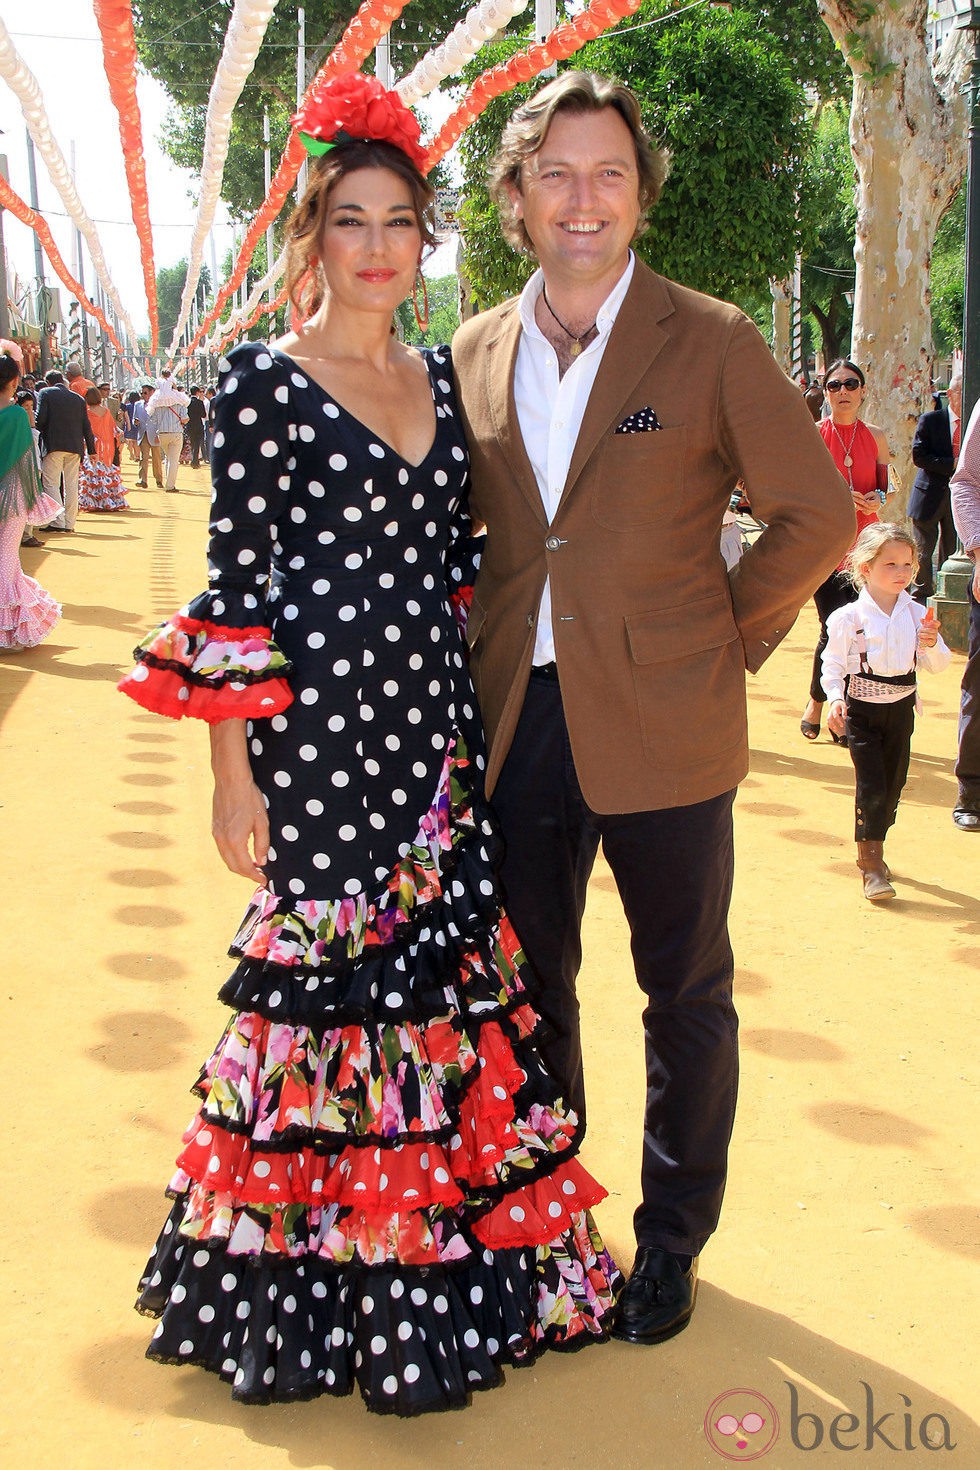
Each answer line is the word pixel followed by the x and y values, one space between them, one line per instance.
pixel 215 659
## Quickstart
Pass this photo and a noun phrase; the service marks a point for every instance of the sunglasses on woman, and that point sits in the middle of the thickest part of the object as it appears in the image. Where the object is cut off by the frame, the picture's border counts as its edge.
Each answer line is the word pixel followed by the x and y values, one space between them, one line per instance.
pixel 836 384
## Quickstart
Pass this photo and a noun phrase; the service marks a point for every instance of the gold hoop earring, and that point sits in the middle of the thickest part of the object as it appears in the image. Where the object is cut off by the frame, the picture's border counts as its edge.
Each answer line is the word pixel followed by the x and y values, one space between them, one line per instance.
pixel 422 317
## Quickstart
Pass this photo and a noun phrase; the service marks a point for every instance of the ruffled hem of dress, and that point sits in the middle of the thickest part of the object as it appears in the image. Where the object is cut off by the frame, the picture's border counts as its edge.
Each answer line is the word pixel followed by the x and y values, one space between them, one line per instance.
pixel 28 621
pixel 411 1342
pixel 192 667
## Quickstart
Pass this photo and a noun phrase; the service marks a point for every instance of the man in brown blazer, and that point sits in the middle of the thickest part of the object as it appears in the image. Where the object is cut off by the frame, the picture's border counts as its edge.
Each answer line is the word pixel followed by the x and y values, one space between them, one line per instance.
pixel 609 414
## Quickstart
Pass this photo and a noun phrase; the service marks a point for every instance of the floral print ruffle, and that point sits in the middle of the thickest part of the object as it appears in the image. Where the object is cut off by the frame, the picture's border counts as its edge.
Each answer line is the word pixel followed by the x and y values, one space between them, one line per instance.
pixel 387 1177
pixel 192 667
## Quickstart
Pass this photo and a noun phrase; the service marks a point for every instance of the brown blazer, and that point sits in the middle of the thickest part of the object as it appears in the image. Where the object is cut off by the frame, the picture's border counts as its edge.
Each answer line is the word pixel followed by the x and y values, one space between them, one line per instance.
pixel 652 635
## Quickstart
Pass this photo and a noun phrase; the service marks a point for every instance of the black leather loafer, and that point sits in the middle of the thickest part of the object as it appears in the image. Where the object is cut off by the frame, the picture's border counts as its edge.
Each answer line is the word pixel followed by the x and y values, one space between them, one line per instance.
pixel 658 1298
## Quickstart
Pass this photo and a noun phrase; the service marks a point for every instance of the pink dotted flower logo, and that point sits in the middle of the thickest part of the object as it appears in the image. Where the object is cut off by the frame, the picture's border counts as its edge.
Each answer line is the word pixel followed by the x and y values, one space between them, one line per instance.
pixel 742 1425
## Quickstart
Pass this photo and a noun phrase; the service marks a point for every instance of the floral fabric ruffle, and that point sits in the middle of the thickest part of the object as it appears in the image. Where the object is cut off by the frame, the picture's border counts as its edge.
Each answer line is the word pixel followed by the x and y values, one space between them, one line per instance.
pixel 381 1185
pixel 100 487
pixel 193 667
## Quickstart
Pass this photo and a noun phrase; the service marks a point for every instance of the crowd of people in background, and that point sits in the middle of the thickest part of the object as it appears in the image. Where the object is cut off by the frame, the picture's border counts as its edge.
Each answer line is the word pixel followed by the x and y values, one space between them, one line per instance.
pixel 68 434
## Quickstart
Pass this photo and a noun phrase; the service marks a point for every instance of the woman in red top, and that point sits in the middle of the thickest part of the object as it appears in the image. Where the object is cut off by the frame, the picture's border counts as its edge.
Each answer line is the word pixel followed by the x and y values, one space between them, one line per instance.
pixel 861 453
pixel 100 485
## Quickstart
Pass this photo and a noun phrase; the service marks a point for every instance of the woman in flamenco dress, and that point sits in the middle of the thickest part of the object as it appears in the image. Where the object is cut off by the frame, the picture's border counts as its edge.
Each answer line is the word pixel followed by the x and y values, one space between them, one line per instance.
pixel 27 611
pixel 381 1186
pixel 100 485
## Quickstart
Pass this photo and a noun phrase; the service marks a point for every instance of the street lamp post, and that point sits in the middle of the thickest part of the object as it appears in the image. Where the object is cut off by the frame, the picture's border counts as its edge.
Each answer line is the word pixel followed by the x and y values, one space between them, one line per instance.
pixel 957 571
pixel 968 19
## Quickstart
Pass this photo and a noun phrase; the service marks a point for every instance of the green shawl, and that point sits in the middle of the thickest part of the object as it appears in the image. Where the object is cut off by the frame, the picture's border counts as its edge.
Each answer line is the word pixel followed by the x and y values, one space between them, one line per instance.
pixel 20 491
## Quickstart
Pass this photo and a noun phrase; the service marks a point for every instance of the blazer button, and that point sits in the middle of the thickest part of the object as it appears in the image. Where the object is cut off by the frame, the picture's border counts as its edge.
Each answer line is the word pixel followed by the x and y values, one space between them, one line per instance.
pixel 552 543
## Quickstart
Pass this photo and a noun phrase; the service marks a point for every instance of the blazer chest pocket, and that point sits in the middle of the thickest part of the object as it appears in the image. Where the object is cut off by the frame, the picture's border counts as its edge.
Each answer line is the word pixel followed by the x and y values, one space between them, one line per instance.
pixel 638 477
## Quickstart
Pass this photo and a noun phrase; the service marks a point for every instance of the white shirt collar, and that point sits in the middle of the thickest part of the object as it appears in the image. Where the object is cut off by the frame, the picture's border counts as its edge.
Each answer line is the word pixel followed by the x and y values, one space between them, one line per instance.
pixel 868 605
pixel 607 313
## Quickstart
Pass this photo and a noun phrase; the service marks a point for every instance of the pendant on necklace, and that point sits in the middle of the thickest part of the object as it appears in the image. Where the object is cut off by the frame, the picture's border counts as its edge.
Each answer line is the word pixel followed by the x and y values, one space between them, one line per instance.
pixel 848 461
pixel 576 348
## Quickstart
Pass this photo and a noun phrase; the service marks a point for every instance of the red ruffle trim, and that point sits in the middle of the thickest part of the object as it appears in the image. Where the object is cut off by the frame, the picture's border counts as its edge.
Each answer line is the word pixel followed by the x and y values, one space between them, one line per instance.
pixel 166 693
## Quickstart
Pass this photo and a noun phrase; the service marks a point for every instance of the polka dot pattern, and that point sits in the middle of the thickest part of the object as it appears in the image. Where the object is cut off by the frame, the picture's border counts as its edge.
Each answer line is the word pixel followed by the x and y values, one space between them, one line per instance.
pixel 341 547
pixel 324 534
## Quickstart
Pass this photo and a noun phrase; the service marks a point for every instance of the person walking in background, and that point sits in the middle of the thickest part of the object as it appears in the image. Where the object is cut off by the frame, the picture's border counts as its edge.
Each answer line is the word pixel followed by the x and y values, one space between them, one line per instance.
pixel 129 425
pixel 167 408
pixel 25 397
pixel 65 432
pixel 965 494
pixel 27 612
pixel 101 486
pixel 113 403
pixel 146 439
pixel 76 379
pixel 609 414
pixel 934 449
pixel 196 416
pixel 861 453
pixel 208 420
pixel 874 647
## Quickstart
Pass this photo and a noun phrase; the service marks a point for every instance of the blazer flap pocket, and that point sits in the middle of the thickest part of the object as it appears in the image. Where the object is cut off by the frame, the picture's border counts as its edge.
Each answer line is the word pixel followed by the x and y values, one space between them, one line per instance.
pixel 678 632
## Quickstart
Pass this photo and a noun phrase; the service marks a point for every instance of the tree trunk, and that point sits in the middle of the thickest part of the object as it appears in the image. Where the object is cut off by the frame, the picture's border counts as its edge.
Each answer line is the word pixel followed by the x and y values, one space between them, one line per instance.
pixel 908 140
pixel 782 347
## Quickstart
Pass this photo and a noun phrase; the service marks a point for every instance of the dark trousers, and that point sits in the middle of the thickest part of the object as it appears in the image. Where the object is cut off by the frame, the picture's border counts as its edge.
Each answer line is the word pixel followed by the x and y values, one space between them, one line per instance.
pixel 927 532
pixel 968 758
pixel 837 591
pixel 195 438
pixel 879 738
pixel 674 872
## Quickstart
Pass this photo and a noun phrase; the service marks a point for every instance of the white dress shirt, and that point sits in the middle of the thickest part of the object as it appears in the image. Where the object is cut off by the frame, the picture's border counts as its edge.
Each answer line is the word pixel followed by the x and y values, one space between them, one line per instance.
pixel 891 640
pixel 550 409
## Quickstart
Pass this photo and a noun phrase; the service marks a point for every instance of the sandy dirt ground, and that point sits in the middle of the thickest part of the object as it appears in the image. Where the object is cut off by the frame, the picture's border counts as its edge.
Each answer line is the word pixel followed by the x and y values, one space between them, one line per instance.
pixel 843 1279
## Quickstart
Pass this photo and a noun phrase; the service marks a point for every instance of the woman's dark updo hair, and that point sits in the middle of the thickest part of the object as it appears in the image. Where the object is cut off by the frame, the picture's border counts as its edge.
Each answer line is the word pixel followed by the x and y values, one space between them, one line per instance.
pixel 843 362
pixel 9 370
pixel 305 227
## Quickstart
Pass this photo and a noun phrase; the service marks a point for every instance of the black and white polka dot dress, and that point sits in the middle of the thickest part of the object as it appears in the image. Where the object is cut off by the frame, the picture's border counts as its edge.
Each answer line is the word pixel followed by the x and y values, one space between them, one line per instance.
pixel 380 1187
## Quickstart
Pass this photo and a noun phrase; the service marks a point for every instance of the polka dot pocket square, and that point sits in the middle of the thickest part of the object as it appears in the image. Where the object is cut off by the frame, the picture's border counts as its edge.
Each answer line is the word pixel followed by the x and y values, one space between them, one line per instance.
pixel 643 421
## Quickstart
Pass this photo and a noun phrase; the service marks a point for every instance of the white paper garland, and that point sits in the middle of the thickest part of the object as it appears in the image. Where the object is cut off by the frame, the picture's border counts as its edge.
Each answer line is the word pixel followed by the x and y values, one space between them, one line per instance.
pixel 22 81
pixel 459 47
pixel 245 34
pixel 231 325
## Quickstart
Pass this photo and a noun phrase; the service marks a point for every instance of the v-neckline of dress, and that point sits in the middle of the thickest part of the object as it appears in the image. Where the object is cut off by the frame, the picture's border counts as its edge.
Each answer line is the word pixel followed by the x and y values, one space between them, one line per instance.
pixel 348 413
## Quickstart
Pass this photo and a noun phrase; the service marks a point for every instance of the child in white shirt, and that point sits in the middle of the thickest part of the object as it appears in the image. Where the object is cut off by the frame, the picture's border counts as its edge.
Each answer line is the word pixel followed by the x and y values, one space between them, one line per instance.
pixel 873 649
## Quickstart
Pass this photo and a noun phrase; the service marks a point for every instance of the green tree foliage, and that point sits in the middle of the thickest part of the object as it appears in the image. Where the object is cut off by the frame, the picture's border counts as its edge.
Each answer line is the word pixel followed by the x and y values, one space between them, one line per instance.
pixel 795 30
pixel 443 314
pixel 829 216
pixel 720 97
pixel 170 288
pixel 946 277
pixel 180 45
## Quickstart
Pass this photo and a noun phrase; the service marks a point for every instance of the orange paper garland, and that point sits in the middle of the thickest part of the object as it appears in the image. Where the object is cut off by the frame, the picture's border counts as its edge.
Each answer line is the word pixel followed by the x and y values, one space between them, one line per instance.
pixel 115 18
pixel 561 43
pixel 31 218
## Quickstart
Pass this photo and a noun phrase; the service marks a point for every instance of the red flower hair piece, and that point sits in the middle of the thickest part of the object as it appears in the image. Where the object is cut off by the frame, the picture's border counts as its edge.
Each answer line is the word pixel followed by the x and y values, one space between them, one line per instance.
pixel 354 106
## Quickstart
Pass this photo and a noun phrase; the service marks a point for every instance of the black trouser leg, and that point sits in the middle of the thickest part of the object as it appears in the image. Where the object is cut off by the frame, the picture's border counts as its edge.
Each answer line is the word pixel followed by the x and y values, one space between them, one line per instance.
pixel 879 738
pixel 836 592
pixel 549 849
pixel 674 873
pixel 968 754
pixel 674 870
